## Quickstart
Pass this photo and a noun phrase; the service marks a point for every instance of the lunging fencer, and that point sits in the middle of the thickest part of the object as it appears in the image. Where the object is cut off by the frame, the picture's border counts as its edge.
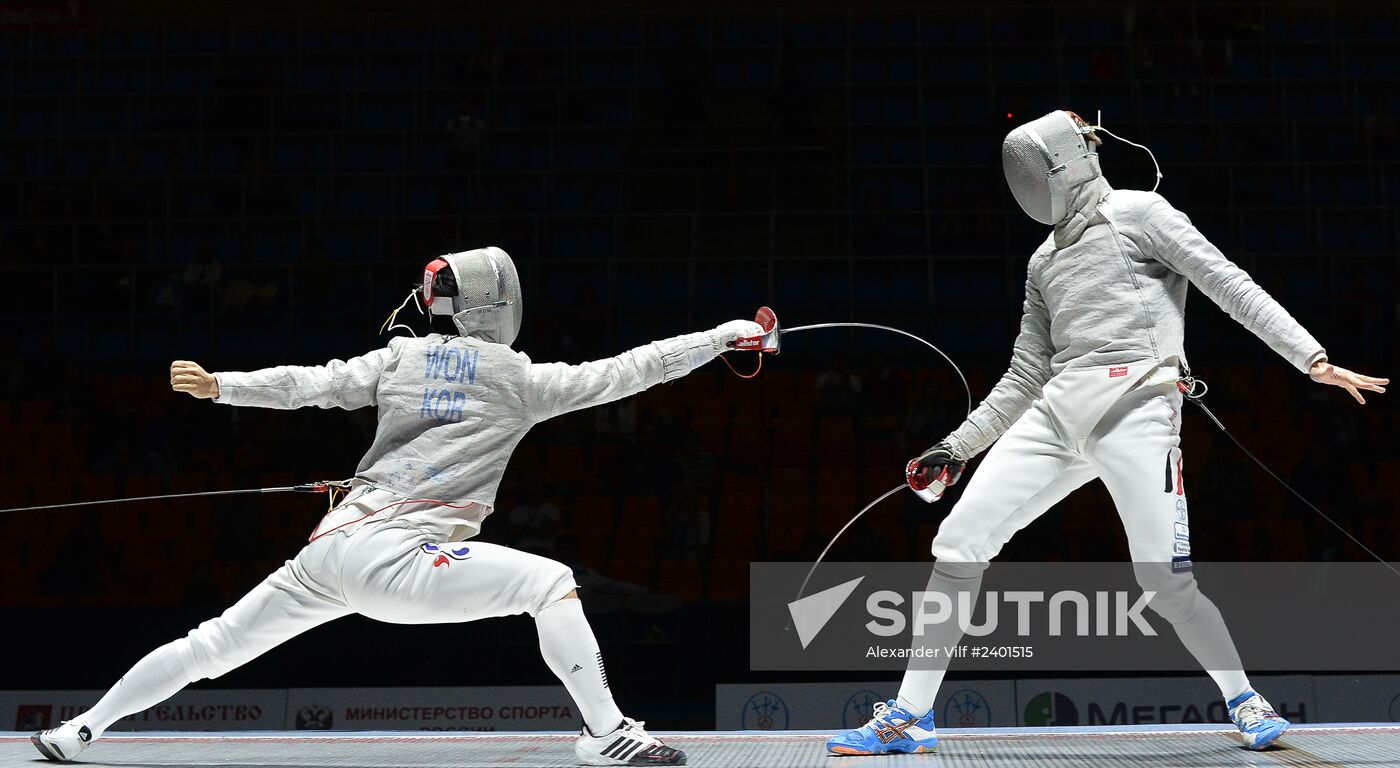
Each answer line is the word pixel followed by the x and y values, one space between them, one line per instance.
pixel 1092 392
pixel 452 407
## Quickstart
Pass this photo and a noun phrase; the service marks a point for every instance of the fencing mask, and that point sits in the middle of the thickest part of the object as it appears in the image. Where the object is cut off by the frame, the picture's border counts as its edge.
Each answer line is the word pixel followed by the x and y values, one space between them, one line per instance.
pixel 1045 159
pixel 478 291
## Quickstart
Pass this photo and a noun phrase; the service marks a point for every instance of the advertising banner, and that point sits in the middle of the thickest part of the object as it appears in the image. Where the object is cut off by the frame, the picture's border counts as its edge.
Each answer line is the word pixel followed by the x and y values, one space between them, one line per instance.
pixel 191 710
pixel 816 706
pixel 523 708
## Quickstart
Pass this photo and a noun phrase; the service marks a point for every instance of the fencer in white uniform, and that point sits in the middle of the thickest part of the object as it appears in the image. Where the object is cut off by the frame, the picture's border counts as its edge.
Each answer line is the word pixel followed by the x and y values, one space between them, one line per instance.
pixel 452 407
pixel 1092 392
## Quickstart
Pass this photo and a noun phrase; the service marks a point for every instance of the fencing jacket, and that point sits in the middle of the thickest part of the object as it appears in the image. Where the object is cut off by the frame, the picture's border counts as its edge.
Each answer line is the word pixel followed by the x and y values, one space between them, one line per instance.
pixel 1107 288
pixel 453 408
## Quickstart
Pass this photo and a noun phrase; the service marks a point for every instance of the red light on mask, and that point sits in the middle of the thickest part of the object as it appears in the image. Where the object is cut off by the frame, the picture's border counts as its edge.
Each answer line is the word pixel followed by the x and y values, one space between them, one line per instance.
pixel 430 274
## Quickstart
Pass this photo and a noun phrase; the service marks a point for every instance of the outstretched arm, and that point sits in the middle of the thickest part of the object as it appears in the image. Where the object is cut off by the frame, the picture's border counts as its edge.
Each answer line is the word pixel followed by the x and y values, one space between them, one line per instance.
pixel 558 388
pixel 345 384
pixel 1183 248
pixel 1018 387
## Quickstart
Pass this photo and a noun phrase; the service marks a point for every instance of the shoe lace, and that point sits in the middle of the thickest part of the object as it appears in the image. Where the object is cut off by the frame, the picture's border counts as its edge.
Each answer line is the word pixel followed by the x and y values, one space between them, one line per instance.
pixel 882 711
pixel 1254 711
pixel 637 728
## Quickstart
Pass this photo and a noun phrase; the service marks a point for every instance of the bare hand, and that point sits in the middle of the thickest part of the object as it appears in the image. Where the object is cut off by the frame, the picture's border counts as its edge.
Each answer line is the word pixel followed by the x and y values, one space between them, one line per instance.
pixel 188 376
pixel 1324 372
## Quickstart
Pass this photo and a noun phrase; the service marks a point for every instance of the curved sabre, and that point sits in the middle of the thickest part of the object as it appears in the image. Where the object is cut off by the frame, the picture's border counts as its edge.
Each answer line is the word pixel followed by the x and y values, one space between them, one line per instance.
pixel 967 389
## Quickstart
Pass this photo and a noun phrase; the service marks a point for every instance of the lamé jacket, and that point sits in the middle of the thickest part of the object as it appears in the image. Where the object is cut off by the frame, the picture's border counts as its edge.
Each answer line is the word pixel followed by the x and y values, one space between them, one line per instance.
pixel 1108 288
pixel 453 408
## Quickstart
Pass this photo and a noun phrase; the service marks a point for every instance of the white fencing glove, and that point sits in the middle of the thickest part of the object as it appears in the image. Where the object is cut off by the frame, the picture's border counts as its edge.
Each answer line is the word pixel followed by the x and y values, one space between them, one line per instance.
pixel 723 337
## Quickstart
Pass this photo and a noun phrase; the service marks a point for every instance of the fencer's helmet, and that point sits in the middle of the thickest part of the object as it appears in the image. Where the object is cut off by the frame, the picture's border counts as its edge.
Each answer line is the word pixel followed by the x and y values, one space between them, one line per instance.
pixel 1045 159
pixel 478 291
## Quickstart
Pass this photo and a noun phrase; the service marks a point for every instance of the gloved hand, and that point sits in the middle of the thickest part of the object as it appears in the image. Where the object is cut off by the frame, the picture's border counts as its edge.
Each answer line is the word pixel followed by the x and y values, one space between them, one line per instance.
pixel 936 465
pixel 189 376
pixel 723 337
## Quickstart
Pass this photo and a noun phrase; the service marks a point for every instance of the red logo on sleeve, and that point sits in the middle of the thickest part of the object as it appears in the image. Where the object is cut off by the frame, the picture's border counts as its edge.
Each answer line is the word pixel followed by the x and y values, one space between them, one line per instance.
pixel 1118 370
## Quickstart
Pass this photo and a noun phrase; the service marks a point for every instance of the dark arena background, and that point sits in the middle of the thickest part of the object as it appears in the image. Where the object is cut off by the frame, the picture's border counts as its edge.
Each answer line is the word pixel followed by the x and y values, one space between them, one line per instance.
pixel 253 184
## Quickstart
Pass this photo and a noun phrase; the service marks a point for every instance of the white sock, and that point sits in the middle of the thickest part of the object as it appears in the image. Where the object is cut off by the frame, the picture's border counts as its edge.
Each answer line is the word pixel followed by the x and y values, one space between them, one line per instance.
pixel 1232 682
pixel 919 691
pixel 571 651
pixel 1208 639
pixel 154 679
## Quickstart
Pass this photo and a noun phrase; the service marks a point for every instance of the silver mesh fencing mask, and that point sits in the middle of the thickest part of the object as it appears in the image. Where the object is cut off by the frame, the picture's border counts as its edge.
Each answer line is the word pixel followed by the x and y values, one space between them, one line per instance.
pixel 1044 159
pixel 486 300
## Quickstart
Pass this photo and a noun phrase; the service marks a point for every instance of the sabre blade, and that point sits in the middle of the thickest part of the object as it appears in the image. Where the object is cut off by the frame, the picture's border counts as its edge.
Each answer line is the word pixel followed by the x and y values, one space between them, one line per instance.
pixel 802 590
pixel 318 487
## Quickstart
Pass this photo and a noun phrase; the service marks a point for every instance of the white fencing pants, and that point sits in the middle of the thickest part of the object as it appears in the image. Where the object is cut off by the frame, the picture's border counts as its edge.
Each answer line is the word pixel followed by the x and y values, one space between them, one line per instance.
pixel 384 571
pixel 1120 424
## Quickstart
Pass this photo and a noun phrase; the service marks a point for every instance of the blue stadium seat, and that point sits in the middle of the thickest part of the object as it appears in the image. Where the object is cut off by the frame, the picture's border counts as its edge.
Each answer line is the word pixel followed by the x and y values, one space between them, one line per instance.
pixel 896 29
pixel 1367 26
pixel 1249 61
pixel 828 68
pixel 589 149
pixel 383 112
pixel 618 31
pixel 1298 25
pixel 949 102
pixel 1025 64
pixel 1392 185
pixel 428 153
pixel 323 37
pixel 816 32
pixel 1372 61
pixel 195 37
pixel 516 152
pixel 458 34
pixel 580 238
pixel 604 69
pixel 950 65
pixel 586 193
pixel 736 282
pixel 423 198
pixel 560 284
pixel 408 34
pixel 338 238
pixel 49 78
pixel 744 68
pixel 752 31
pixel 1304 62
pixel 276 35
pixel 792 287
pixel 1236 101
pixel 1090 24
pixel 883 105
pixel 599 108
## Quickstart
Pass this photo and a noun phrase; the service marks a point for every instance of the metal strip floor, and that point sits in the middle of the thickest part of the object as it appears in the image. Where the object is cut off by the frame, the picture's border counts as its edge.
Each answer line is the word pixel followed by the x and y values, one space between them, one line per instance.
pixel 1139 747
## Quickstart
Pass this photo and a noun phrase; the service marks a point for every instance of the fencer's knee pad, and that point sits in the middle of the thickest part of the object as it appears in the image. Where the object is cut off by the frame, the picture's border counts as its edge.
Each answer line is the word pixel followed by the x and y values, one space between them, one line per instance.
pixel 1177 597
pixel 958 571
pixel 198 655
pixel 963 537
pixel 554 581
